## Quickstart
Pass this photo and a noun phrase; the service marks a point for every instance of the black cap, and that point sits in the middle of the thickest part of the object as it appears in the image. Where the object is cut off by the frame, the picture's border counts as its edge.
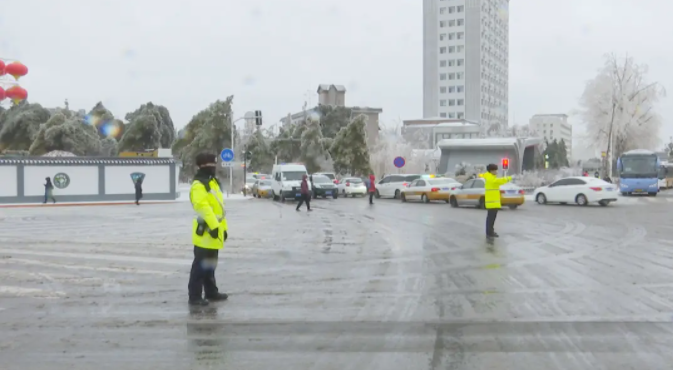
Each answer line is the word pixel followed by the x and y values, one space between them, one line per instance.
pixel 492 167
pixel 205 158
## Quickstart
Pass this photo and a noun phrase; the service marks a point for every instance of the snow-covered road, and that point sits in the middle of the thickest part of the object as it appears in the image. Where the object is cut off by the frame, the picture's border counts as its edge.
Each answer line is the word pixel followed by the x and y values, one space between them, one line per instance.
pixel 348 286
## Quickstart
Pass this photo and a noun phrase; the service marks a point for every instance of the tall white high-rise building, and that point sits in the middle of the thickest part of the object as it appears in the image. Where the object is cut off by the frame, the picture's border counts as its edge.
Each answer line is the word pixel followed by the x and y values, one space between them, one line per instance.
pixel 466 60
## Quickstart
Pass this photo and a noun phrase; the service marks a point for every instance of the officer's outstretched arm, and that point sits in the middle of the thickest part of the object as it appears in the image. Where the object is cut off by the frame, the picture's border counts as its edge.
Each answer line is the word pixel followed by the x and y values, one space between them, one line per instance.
pixel 201 206
pixel 502 180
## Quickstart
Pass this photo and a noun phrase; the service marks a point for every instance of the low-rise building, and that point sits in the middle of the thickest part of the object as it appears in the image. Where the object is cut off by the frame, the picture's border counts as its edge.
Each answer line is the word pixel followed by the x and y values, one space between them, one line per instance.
pixel 427 132
pixel 335 95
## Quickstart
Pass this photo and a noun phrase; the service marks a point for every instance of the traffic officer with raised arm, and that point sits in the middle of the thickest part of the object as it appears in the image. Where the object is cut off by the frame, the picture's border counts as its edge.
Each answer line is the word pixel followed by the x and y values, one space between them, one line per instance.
pixel 492 196
pixel 209 231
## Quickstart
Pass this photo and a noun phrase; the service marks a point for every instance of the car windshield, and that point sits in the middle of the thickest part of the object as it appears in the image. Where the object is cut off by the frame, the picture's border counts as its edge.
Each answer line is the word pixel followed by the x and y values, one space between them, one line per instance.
pixel 321 180
pixel 354 181
pixel 250 181
pixel 265 183
pixel 634 167
pixel 293 175
pixel 328 175
pixel 411 178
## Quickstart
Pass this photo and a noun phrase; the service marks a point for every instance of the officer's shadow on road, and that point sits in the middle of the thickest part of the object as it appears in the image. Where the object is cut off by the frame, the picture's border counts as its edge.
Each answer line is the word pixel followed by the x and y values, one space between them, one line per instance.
pixel 205 336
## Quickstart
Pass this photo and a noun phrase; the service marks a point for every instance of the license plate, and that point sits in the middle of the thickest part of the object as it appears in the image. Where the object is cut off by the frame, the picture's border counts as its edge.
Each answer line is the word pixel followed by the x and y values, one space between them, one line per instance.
pixel 445 188
pixel 298 195
pixel 511 191
pixel 328 192
pixel 640 191
pixel 608 189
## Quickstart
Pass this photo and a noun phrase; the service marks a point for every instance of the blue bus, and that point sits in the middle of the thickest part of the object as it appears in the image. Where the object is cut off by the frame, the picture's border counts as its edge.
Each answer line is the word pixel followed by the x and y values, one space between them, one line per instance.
pixel 638 172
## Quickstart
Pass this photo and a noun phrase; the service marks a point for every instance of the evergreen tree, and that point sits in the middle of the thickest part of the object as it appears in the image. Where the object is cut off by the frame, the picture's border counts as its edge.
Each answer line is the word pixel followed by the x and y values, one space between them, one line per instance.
pixel 313 153
pixel 261 157
pixel 563 154
pixel 349 149
pixel 333 119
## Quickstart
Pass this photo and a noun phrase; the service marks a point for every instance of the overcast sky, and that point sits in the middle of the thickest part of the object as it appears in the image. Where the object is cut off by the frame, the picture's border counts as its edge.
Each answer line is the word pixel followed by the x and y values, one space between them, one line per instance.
pixel 273 54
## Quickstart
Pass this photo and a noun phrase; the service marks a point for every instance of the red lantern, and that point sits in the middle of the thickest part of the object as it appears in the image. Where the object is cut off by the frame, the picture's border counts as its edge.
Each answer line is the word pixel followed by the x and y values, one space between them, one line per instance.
pixel 2 69
pixel 16 69
pixel 17 94
pixel 3 95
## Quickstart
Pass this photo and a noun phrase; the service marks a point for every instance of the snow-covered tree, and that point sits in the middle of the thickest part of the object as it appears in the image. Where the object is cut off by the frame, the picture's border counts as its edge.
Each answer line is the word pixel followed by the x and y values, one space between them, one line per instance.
pixel 287 145
pixel 208 131
pixel 19 125
pixel 74 135
pixel 619 103
pixel 163 119
pixel 669 149
pixel 314 154
pixel 261 157
pixel 349 149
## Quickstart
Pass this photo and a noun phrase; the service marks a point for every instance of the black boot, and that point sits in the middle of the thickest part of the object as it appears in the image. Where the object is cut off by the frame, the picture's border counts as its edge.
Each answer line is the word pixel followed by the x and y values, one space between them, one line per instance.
pixel 198 302
pixel 218 297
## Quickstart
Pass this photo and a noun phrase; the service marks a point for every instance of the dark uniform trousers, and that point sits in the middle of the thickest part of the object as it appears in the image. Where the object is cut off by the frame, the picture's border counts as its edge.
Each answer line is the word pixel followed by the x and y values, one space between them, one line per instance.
pixel 491 214
pixel 202 276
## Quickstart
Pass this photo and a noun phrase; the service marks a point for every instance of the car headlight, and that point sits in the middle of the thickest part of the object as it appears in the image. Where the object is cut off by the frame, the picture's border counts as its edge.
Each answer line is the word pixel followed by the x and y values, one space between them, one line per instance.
pixel 654 185
pixel 623 185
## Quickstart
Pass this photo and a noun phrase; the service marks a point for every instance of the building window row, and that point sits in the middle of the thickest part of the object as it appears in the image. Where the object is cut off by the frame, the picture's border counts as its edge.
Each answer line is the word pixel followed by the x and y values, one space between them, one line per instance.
pixel 452 36
pixel 452 76
pixel 454 115
pixel 452 89
pixel 452 49
pixel 452 23
pixel 451 103
pixel 451 63
pixel 468 135
pixel 452 9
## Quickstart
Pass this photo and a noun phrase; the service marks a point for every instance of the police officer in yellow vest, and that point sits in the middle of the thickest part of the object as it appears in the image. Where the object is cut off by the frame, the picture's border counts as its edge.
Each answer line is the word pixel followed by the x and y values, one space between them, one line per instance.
pixel 492 196
pixel 209 231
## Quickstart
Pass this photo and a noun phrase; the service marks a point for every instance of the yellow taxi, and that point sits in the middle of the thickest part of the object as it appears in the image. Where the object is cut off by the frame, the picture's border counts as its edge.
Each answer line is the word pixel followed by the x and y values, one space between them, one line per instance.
pixel 427 189
pixel 472 193
pixel 261 188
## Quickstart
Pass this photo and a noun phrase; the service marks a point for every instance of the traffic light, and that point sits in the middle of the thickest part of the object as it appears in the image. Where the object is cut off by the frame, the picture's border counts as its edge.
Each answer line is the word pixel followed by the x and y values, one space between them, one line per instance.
pixel 505 163
pixel 258 117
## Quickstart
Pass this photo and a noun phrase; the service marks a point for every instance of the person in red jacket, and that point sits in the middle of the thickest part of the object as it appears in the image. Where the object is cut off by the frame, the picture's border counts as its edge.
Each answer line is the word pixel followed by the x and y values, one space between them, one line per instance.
pixel 305 194
pixel 372 188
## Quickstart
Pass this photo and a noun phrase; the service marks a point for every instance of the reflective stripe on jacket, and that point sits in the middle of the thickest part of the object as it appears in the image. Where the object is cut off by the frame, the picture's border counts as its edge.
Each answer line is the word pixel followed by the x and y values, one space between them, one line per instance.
pixel 209 206
pixel 492 185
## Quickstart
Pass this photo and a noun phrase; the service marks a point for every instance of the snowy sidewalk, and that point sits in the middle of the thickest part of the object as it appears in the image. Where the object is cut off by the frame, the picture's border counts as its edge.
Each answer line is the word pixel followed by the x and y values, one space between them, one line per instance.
pixel 81 204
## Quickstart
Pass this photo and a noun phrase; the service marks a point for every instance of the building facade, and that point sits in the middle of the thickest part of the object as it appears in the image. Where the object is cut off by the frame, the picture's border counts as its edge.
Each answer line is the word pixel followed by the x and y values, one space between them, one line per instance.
pixel 335 95
pixel 426 133
pixel 466 60
pixel 521 153
pixel 552 127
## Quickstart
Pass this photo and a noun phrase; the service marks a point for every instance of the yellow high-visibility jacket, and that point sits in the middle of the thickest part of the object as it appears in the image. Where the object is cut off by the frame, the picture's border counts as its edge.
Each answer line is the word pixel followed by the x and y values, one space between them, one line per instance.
pixel 209 206
pixel 492 185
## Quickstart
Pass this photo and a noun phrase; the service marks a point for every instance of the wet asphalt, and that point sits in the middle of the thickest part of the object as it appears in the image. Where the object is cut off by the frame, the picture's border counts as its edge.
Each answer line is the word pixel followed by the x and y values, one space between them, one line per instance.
pixel 347 286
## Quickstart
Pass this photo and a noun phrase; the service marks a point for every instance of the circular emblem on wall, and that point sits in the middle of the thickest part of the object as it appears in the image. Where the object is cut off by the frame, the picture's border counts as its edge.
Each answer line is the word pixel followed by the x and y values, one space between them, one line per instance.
pixel 61 180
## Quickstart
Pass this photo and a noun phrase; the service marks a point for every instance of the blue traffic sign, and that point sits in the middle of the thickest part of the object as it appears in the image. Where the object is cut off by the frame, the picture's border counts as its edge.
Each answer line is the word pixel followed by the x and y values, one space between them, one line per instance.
pixel 399 162
pixel 227 155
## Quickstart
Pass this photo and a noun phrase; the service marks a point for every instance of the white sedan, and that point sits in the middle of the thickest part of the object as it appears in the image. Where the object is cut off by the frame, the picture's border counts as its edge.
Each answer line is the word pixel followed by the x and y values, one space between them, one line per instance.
pixel 352 186
pixel 430 189
pixel 580 189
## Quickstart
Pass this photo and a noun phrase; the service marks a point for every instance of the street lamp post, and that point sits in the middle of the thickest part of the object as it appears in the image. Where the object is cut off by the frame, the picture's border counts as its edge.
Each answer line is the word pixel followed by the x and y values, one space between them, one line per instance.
pixel 231 167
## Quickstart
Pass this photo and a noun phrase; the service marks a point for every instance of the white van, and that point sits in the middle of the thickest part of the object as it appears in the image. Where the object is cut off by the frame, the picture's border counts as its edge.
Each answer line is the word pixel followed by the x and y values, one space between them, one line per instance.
pixel 286 181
